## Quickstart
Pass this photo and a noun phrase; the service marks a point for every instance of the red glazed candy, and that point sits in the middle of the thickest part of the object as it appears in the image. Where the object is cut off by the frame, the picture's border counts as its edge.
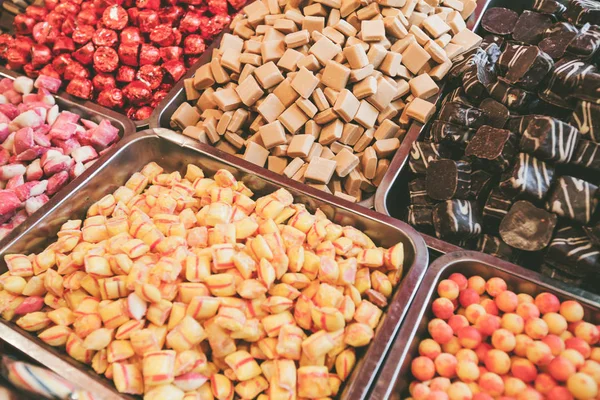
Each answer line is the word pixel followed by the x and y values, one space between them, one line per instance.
pixel 83 34
pixel 137 93
pixel 105 37
pixel 24 24
pixel 162 36
pixel 148 20
pixel 115 17
pixel 131 35
pixel 80 87
pixel 150 74
pixel 75 70
pixel 125 74
pixel 105 59
pixel 40 55
pixel 104 81
pixel 149 54
pixel 111 98
pixel 170 53
pixel 129 54
pixel 140 113
pixel 175 68
pixel 85 54
pixel 63 44
pixel 193 44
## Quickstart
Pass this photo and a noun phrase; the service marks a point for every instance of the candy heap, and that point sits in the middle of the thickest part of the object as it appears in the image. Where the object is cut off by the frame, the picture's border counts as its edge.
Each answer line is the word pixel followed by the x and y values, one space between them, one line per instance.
pixel 175 286
pixel 41 147
pixel 509 166
pixel 488 342
pixel 123 56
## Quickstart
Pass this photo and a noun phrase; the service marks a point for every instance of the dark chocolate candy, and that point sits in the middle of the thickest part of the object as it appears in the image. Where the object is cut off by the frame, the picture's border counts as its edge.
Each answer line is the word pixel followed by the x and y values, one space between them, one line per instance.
pixel 496 112
pixel 528 67
pixel 587 155
pixel 492 39
pixel 573 252
pixel 495 209
pixel 580 12
pixel 517 124
pixel 515 98
pixel 557 39
pixel 493 246
pixel 574 199
pixel 459 114
pixel 422 153
pixel 561 276
pixel 552 7
pixel 461 63
pixel 589 88
pixel 417 189
pixel 493 148
pixel 567 75
pixel 507 55
pixel 481 185
pixel 500 21
pixel 449 133
pixel 529 178
pixel 421 217
pixel 448 179
pixel 550 139
pixel 593 232
pixel 459 96
pixel 530 27
pixel 481 74
pixel 586 44
pixel 527 227
pixel 456 220
pixel 586 118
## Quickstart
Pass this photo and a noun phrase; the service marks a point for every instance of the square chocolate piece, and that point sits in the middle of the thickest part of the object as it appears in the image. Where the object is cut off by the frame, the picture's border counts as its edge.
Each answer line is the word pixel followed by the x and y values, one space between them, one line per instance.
pixel 448 179
pixel 572 252
pixel 587 155
pixel 460 114
pixel 527 227
pixel 494 148
pixel 423 153
pixel 574 199
pixel 550 139
pixel 444 132
pixel 529 178
pixel 456 220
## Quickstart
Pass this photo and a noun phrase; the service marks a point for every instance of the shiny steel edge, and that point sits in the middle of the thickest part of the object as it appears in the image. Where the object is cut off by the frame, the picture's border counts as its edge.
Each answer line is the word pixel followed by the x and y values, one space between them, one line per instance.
pixel 364 374
pixel 124 124
pixel 397 363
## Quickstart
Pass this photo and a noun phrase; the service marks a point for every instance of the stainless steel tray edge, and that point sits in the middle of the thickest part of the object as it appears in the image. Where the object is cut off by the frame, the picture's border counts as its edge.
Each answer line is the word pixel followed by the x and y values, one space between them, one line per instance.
pixel 363 376
pixel 397 363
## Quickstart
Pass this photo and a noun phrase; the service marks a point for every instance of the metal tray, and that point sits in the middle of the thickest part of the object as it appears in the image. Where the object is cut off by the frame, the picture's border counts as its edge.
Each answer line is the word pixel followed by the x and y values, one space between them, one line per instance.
pixel 174 151
pixel 394 378
pixel 87 110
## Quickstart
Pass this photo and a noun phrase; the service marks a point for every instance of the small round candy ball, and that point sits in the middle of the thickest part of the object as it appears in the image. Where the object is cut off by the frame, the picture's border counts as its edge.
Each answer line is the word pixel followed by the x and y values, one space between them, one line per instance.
pixel 495 286
pixel 439 383
pixel 448 289
pixel 557 324
pixel 536 328
pixel 513 386
pixel 574 356
pixel 556 344
pixel 467 355
pixel 457 322
pixel 559 393
pixel 525 298
pixel 452 347
pixel 489 306
pixel 523 369
pixel 420 391
pixel 497 361
pixel 544 383
pixel 459 391
pixel 491 384
pixel 440 331
pixel 482 349
pixel 595 354
pixel 530 394
pixel 547 302
pixel 469 337
pixel 539 353
pixel 468 296
pixel 566 335
pixel 467 371
pixel 528 310
pixel 476 283
pixel 487 324
pixel 507 301
pixel 592 368
pixel 482 396
pixel 422 368
pixel 582 386
pixel 588 332
pixel 580 345
pixel 442 308
pixel 503 339
pixel 429 348
pixel 437 395
pixel 571 310
pixel 523 341
pixel 512 322
pixel 445 365
pixel 561 368
pixel 460 280
pixel 473 312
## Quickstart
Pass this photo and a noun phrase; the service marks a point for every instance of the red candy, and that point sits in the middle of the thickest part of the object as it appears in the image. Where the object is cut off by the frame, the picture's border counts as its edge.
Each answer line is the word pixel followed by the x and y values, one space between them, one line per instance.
pixel 104 81
pixel 105 37
pixel 85 54
pixel 129 54
pixel 131 35
pixel 115 17
pixel 83 34
pixel 149 54
pixel 138 93
pixel 80 87
pixel 111 98
pixel 151 75
pixel 40 55
pixel 105 59
pixel 24 24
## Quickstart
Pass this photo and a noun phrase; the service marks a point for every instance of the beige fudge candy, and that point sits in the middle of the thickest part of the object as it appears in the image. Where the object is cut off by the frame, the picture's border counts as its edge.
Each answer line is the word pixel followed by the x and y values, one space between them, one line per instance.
pixel 320 170
pixel 293 119
pixel 391 63
pixel 256 12
pixel 423 86
pixel 415 57
pixel 346 105
pixel 231 60
pixel 346 161
pixel 366 115
pixel 307 107
pixel 343 195
pixel 185 116
pixel 456 22
pixel 356 56
pixel 351 134
pixel 376 55
pixel 420 109
pixel 369 162
pixel 305 82
pixel 196 133
pixel 286 93
pixel 300 146
pixel 335 75
pixel 297 39
pixel 268 75
pixel 384 94
pixel 293 167
pixel 365 88
pixel 227 99
pixel 467 39
pixel 373 30
pixel 324 50
pixel 272 134
pixel 312 24
pixel 387 129
pixel 256 154
pixel 435 26
pixel 289 60
pixel 277 164
pixel 249 91
pixel 385 148
pixel 312 128
pixel 271 108
pixel 203 77
pixel 332 132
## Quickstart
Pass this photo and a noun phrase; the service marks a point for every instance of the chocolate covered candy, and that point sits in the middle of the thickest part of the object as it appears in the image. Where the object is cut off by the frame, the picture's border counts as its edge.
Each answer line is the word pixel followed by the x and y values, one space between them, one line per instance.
pixel 457 95
pixel 550 139
pixel 589 88
pixel 580 12
pixel 492 39
pixel 527 227
pixel 493 246
pixel 481 74
pixel 459 114
pixel 499 20
pixel 515 98
pixel 448 179
pixel 567 75
pixel 530 27
pixel 593 232
pixel 572 252
pixel 552 7
pixel 586 118
pixel 456 220
pixel 421 217
pixel 574 199
pixel 493 148
pixel 481 185
pixel 561 276
pixel 497 114
pixel 422 153
pixel 417 189
pixel 587 155
pixel 528 67
pixel 529 177
pixel 557 39
pixel 449 133
pixel 518 123
pixel 495 209
pixel 586 44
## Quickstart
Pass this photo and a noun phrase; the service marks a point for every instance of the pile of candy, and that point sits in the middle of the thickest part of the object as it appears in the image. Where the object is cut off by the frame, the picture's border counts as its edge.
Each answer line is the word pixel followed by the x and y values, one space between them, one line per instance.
pixel 41 147
pixel 175 286
pixel 123 56
pixel 487 342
